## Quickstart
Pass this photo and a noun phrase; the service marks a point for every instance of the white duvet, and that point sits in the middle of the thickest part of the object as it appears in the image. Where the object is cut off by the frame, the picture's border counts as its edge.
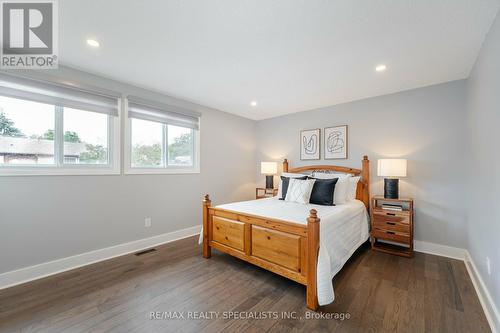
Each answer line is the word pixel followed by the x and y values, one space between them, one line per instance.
pixel 343 228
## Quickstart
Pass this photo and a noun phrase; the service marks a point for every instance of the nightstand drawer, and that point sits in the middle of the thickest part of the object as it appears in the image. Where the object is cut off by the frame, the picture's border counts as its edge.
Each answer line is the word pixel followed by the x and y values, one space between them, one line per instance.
pixel 400 217
pixel 391 235
pixel 382 223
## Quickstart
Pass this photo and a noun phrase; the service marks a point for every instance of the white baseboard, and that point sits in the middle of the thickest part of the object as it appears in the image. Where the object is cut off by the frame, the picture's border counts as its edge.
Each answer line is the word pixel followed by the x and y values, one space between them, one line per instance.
pixel 31 273
pixel 489 307
pixel 439 250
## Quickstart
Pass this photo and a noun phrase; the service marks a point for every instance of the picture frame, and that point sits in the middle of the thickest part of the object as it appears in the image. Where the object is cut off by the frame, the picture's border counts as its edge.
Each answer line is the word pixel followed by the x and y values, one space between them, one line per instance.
pixel 310 144
pixel 336 142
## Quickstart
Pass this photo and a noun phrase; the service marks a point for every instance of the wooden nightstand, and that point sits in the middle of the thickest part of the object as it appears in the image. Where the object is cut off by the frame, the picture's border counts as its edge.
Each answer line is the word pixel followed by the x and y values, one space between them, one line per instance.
pixel 261 193
pixel 393 226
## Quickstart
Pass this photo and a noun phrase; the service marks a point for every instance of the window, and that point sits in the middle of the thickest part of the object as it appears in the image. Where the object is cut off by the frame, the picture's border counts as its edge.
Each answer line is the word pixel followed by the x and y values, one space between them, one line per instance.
pixel 26 132
pixel 50 129
pixel 161 138
pixel 85 137
pixel 147 144
pixel 180 145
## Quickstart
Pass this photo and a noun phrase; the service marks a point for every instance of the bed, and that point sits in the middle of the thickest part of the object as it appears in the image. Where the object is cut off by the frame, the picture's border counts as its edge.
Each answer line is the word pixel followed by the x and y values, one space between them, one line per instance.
pixel 305 243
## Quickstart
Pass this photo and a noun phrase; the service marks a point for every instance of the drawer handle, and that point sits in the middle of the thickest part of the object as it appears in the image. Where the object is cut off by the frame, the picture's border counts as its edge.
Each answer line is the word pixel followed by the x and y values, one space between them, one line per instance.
pixel 217 228
pixel 391 223
pixel 269 237
pixel 391 214
pixel 226 238
pixel 391 232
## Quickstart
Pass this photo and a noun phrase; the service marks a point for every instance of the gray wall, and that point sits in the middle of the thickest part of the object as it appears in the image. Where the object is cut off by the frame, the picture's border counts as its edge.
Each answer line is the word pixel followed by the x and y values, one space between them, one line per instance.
pixel 483 111
pixel 425 125
pixel 49 217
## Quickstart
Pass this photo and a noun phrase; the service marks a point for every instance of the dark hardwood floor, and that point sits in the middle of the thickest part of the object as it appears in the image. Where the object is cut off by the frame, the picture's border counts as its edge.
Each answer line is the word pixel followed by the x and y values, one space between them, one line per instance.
pixel 379 293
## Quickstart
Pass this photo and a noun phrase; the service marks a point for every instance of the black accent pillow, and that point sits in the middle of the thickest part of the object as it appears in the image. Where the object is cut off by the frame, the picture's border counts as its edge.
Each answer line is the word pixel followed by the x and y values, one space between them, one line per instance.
pixel 284 185
pixel 322 192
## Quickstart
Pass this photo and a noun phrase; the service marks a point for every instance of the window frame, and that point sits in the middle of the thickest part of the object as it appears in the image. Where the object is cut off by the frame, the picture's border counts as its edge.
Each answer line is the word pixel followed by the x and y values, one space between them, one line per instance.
pixel 63 169
pixel 166 169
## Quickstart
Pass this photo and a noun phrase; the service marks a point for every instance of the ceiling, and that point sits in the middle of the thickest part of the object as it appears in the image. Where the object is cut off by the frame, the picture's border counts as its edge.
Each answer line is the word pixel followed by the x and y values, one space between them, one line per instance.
pixel 288 55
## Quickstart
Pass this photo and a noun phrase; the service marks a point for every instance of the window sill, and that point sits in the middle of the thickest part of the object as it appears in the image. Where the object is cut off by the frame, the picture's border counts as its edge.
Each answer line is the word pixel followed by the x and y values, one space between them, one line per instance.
pixel 161 171
pixel 49 171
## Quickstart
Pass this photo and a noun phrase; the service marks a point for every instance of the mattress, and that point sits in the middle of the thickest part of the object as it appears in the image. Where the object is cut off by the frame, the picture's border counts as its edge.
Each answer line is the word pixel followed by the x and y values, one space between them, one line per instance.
pixel 343 228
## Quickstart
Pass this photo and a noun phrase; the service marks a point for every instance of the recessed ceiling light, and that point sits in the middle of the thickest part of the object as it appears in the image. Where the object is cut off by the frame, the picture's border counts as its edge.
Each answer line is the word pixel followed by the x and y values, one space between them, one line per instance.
pixel 253 103
pixel 381 68
pixel 93 43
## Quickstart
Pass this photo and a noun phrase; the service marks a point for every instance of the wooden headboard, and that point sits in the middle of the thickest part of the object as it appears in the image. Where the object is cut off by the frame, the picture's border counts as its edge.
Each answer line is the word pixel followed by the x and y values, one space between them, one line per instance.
pixel 363 190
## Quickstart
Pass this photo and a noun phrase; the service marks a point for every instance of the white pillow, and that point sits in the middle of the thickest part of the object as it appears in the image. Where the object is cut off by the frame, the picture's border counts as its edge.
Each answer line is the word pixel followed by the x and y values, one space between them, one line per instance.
pixel 327 175
pixel 353 185
pixel 340 193
pixel 341 187
pixel 299 190
pixel 289 175
pixel 292 175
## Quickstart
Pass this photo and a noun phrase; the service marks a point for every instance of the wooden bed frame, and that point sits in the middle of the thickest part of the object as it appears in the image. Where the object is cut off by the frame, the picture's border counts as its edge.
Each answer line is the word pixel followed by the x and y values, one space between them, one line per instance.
pixel 285 248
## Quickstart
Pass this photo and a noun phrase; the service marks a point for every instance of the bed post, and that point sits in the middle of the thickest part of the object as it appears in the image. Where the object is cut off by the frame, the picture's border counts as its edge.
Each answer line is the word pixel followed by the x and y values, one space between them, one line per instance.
pixel 285 165
pixel 312 259
pixel 207 251
pixel 365 174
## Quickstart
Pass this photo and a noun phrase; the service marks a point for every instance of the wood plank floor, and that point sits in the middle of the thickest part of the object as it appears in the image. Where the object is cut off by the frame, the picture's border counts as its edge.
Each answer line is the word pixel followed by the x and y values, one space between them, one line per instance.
pixel 379 293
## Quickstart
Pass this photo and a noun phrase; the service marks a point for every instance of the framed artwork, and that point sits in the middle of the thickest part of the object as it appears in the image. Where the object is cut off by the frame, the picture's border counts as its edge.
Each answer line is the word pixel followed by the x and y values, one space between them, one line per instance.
pixel 335 142
pixel 309 144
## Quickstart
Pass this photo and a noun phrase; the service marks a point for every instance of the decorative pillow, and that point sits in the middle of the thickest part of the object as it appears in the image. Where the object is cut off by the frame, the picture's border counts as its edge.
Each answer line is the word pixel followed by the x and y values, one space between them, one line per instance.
pixel 283 187
pixel 353 185
pixel 299 190
pixel 340 194
pixel 288 175
pixel 329 175
pixel 341 187
pixel 293 175
pixel 322 191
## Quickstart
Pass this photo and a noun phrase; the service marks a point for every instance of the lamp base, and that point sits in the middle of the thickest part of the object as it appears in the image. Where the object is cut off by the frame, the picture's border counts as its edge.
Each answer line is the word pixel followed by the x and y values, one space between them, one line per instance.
pixel 391 188
pixel 269 181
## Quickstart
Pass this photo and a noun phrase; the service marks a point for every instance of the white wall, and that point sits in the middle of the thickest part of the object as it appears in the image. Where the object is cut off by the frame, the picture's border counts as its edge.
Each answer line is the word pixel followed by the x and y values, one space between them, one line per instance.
pixel 483 199
pixel 44 218
pixel 425 125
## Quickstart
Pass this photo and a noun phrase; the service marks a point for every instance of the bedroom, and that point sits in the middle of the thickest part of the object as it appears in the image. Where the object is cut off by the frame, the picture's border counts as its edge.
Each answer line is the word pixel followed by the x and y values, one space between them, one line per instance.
pixel 135 111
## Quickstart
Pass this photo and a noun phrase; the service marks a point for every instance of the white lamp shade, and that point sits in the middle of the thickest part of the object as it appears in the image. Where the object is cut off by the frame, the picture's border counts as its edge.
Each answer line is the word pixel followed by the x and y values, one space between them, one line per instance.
pixel 268 168
pixel 394 167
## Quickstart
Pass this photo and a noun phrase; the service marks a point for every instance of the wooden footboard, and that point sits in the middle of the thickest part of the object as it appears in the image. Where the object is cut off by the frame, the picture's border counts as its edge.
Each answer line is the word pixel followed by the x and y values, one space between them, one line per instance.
pixel 285 248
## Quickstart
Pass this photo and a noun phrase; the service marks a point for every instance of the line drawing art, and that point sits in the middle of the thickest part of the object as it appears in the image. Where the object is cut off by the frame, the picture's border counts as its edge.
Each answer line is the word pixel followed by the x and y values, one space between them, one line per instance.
pixel 335 143
pixel 311 145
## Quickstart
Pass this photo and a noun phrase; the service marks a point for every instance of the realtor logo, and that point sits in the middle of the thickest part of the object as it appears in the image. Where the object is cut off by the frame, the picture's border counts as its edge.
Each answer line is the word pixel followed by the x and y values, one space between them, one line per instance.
pixel 29 34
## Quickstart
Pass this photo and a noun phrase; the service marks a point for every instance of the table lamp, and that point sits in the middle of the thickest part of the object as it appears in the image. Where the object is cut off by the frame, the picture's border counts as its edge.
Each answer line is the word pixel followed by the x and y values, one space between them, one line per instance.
pixel 269 169
pixel 392 169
